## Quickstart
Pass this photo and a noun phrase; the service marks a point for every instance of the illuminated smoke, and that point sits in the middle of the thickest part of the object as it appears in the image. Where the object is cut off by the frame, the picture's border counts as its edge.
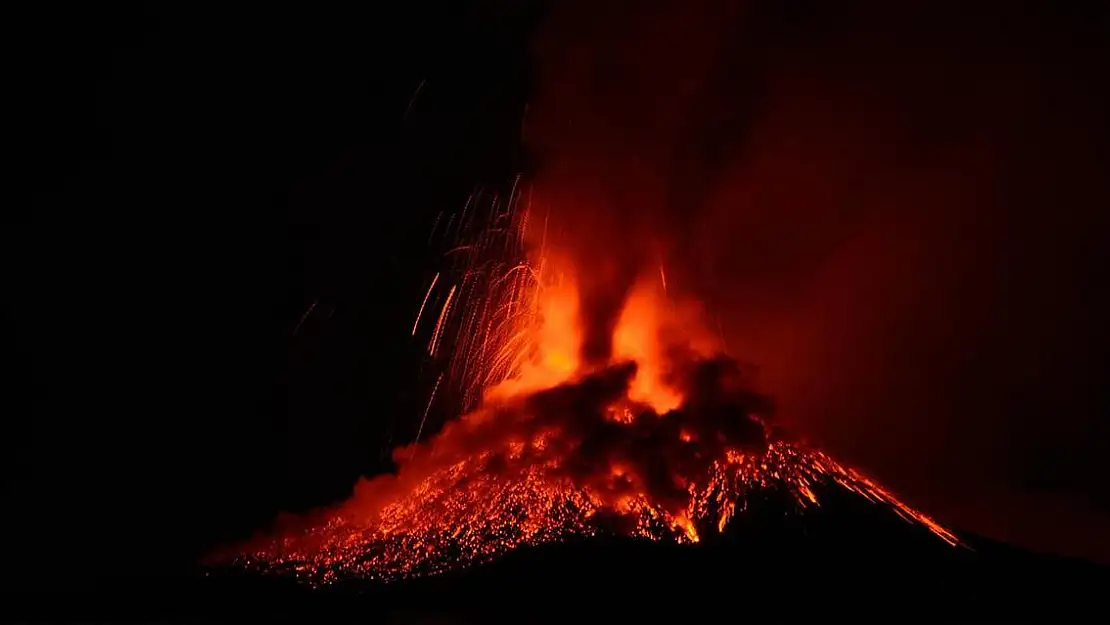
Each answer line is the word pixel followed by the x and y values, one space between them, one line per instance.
pixel 604 126
pixel 665 441
pixel 595 398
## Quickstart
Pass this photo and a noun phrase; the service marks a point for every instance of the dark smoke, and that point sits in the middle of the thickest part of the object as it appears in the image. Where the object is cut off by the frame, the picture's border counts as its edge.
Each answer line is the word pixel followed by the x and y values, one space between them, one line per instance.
pixel 897 210
pixel 642 453
pixel 721 413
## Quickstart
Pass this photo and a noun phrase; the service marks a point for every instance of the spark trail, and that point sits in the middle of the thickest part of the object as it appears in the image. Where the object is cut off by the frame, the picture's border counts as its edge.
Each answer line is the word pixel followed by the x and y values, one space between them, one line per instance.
pixel 668 441
pixel 483 296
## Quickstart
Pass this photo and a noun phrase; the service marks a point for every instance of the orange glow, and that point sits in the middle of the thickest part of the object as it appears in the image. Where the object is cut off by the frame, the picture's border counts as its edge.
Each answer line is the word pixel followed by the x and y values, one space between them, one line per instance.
pixel 637 338
pixel 554 339
pixel 535 460
pixel 648 321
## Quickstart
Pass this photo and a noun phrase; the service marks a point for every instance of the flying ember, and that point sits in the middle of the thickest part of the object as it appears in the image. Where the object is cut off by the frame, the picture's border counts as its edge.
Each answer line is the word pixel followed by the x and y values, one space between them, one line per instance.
pixel 665 439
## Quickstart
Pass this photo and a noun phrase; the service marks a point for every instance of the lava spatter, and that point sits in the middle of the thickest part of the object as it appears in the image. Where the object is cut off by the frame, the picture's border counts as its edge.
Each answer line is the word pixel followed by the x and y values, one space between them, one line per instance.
pixel 666 441
pixel 468 513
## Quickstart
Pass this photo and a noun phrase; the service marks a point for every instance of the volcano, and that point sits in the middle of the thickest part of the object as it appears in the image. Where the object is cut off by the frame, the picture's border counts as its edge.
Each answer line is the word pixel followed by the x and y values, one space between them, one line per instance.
pixel 652 485
pixel 471 512
pixel 847 559
pixel 639 474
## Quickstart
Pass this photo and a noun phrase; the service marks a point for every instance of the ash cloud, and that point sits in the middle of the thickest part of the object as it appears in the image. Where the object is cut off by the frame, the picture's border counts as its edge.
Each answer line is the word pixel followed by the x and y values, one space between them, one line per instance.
pixel 597 438
pixel 656 454
pixel 603 128
pixel 895 208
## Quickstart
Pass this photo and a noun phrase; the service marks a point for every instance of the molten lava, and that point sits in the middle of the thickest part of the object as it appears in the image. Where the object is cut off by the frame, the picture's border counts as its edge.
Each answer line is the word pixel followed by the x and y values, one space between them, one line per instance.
pixel 667 440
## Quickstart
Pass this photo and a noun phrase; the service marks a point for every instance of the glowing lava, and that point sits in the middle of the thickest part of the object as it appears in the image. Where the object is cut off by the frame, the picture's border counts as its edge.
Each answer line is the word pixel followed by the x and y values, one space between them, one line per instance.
pixel 666 442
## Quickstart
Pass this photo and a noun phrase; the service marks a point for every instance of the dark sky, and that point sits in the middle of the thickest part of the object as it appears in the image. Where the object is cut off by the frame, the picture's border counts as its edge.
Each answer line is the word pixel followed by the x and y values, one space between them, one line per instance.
pixel 938 316
pixel 200 176
pixel 898 214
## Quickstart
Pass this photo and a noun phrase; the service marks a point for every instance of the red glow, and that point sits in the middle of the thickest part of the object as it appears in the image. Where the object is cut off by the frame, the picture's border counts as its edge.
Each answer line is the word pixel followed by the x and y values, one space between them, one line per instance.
pixel 663 441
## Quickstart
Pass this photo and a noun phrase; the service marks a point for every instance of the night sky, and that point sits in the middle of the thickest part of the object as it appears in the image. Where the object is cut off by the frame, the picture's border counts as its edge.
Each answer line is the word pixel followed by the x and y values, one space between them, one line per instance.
pixel 221 239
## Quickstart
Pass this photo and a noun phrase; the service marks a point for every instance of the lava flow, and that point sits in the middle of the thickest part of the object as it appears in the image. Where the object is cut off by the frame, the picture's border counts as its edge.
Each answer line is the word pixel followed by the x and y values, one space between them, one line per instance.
pixel 666 440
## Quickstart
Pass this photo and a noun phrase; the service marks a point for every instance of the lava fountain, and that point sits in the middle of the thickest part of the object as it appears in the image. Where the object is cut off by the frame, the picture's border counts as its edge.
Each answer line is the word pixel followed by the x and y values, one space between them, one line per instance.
pixel 665 438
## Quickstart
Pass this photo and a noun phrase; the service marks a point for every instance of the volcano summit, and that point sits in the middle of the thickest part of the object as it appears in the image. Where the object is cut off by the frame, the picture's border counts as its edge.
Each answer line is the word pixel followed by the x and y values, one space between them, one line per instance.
pixel 666 439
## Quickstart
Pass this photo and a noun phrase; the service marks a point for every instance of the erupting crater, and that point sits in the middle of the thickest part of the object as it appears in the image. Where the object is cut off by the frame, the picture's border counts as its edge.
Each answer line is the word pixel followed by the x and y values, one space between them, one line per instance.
pixel 667 440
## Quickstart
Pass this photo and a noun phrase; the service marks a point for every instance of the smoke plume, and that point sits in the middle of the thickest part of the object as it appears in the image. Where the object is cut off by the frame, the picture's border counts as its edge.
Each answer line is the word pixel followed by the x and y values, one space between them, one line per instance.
pixel 890 206
pixel 893 209
pixel 596 436
pixel 603 128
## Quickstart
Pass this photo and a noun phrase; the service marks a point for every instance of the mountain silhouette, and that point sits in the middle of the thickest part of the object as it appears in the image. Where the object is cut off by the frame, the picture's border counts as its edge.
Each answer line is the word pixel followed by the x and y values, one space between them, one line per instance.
pixel 847 559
